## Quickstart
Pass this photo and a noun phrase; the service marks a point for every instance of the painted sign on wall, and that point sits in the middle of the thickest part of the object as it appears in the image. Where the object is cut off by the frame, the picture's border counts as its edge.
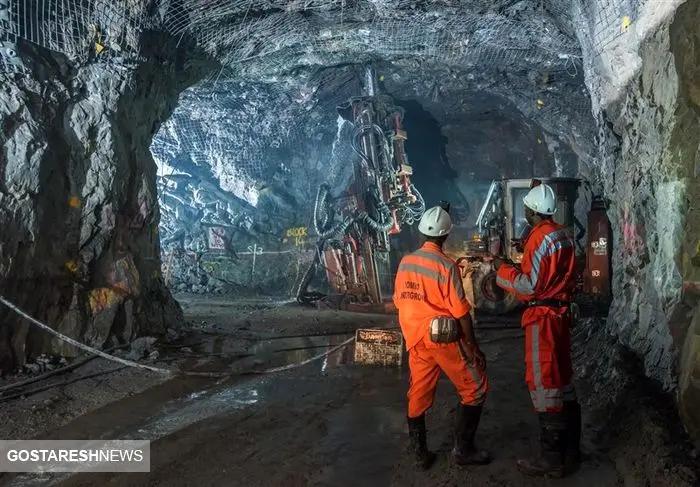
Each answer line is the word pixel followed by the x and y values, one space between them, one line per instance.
pixel 217 238
pixel 298 235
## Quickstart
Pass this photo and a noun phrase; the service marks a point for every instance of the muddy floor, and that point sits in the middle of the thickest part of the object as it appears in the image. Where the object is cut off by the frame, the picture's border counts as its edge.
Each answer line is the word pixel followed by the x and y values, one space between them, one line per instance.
pixel 331 422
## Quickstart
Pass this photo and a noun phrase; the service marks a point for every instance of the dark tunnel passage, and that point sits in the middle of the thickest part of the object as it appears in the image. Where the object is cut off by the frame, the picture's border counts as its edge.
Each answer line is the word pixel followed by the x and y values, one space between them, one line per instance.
pixel 428 155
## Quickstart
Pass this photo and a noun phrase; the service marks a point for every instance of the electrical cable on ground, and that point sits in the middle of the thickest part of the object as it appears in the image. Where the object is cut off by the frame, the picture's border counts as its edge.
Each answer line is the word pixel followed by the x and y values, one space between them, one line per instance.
pixel 160 370
pixel 66 382
pixel 61 370
pixel 304 362
pixel 78 344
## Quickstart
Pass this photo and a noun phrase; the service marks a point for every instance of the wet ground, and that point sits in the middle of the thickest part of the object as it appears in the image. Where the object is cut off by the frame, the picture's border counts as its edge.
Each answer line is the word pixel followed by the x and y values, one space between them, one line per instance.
pixel 331 422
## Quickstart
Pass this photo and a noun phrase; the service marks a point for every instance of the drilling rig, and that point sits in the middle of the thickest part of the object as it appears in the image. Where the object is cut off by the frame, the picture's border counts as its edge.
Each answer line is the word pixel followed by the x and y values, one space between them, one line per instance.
pixel 353 227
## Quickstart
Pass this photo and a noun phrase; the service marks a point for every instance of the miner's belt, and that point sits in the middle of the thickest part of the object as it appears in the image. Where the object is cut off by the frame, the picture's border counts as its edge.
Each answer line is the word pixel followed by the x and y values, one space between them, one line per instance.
pixel 550 303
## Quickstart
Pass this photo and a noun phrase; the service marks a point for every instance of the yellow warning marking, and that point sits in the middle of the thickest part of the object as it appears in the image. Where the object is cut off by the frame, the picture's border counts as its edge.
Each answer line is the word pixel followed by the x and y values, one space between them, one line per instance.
pixel 626 22
pixel 99 47
pixel 102 298
pixel 540 104
pixel 74 202
pixel 297 232
pixel 72 266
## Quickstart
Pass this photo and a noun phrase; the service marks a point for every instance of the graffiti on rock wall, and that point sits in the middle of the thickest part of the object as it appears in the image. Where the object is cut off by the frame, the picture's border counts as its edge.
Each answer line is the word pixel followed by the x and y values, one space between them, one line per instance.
pixel 124 276
pixel 103 298
pixel 217 238
pixel 297 236
pixel 123 279
pixel 632 233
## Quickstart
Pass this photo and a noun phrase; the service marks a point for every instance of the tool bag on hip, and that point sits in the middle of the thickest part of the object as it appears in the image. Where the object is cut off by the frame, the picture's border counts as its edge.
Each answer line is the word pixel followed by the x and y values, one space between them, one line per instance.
pixel 444 329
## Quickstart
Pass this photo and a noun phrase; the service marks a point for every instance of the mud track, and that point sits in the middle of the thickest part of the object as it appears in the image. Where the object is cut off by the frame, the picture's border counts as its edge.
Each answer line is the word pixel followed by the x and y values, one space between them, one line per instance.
pixel 331 422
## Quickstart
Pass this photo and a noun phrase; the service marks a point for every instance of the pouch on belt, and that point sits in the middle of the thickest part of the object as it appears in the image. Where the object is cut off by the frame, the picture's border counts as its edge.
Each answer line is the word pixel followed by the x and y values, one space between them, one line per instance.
pixel 444 329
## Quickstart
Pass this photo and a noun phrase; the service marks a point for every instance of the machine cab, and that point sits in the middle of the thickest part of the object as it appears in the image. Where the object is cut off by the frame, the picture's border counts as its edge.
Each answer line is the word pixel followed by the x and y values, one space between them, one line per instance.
pixel 501 222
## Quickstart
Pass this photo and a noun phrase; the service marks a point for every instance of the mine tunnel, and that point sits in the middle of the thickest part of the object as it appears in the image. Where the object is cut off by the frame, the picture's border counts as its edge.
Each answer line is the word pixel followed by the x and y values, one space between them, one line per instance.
pixel 350 242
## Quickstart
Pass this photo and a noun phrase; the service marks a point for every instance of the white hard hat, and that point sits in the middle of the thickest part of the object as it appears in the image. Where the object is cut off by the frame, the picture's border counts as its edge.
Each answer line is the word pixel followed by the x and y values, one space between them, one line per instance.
pixel 436 222
pixel 541 199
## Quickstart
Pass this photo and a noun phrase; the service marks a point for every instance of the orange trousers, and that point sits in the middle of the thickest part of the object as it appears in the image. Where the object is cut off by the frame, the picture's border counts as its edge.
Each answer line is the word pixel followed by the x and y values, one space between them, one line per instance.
pixel 548 368
pixel 425 362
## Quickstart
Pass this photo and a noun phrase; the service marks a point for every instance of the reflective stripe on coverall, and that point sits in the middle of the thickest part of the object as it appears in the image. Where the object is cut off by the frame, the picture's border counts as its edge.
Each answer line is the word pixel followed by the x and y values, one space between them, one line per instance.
pixel 547 272
pixel 429 284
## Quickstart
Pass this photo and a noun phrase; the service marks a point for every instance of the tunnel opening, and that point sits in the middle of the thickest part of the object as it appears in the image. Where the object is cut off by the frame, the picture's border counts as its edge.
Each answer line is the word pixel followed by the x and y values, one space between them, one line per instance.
pixel 428 155
pixel 217 212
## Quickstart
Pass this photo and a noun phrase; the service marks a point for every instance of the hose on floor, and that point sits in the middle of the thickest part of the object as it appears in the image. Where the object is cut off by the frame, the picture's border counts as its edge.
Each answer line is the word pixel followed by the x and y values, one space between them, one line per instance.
pixel 78 344
pixel 130 363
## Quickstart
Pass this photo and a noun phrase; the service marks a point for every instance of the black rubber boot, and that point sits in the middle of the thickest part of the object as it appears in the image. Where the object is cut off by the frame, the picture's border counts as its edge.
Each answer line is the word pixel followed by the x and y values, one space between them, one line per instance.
pixel 464 450
pixel 553 442
pixel 418 442
pixel 572 413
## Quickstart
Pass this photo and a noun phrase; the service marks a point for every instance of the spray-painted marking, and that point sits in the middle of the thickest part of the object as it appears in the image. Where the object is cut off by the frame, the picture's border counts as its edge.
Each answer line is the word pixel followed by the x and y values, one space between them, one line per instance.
pixel 299 235
pixel 255 251
pixel 277 252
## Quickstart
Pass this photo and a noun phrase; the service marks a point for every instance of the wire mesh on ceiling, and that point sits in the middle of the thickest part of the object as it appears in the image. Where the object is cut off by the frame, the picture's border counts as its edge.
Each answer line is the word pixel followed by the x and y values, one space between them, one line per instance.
pixel 257 40
pixel 263 39
pixel 272 35
pixel 77 28
pixel 234 129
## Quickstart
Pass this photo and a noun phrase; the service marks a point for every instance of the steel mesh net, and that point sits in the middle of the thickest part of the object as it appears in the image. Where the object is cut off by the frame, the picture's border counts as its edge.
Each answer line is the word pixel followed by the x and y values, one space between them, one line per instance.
pixel 237 32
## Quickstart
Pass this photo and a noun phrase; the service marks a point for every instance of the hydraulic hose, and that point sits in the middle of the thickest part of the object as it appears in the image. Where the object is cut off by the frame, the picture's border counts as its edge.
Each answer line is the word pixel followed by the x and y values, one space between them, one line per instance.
pixel 415 211
pixel 355 144
pixel 323 220
pixel 322 215
pixel 303 296
pixel 384 226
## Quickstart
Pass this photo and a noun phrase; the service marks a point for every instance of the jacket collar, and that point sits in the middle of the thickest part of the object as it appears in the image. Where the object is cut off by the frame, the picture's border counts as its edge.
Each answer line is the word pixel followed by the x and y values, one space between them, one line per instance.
pixel 432 246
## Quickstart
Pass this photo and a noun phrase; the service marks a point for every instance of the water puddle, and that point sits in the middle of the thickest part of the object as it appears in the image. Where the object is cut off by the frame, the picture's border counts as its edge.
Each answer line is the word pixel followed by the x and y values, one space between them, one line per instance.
pixel 298 349
pixel 227 397
pixel 222 397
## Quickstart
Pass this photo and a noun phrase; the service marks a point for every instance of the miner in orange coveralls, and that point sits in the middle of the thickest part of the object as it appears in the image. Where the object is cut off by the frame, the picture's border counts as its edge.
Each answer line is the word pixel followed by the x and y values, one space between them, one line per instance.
pixel 437 329
pixel 545 282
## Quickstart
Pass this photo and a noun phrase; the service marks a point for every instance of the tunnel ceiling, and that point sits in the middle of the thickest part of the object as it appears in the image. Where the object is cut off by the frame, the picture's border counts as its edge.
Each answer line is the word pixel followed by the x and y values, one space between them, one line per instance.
pixel 529 50
pixel 285 69
pixel 262 126
pixel 486 71
pixel 284 56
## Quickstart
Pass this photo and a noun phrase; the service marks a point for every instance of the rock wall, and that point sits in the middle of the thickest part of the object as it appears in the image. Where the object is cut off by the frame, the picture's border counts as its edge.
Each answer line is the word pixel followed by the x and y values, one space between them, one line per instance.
pixel 80 247
pixel 644 90
pixel 685 323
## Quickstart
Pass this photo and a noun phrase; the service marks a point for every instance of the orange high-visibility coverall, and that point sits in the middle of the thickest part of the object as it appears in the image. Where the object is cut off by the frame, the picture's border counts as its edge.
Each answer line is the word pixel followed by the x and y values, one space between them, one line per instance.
pixel 428 284
pixel 547 272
